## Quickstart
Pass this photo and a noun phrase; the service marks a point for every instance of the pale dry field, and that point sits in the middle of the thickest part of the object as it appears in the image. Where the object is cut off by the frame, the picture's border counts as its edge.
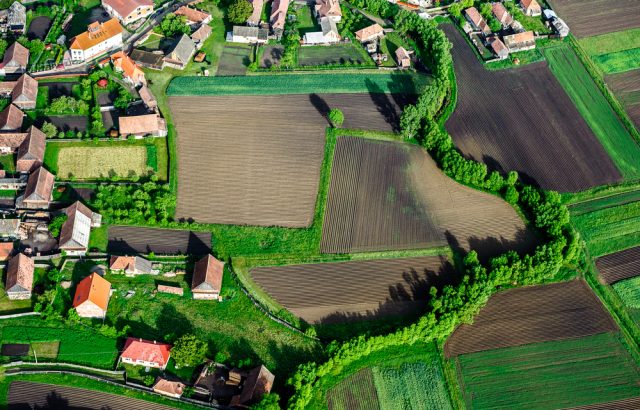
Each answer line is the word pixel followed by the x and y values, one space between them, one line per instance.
pixel 101 162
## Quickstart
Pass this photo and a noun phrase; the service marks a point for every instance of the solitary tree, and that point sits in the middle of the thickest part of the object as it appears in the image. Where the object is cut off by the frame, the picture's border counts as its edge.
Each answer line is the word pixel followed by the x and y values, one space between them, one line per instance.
pixel 239 11
pixel 336 117
pixel 189 351
pixel 173 24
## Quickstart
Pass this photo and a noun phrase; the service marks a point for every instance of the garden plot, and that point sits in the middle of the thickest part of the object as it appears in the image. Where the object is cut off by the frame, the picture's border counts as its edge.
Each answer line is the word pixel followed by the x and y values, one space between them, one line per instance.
pixel 620 265
pixel 271 56
pixel 593 17
pixel 626 86
pixel 343 54
pixel 509 121
pixel 102 162
pixel 234 61
pixel 39 27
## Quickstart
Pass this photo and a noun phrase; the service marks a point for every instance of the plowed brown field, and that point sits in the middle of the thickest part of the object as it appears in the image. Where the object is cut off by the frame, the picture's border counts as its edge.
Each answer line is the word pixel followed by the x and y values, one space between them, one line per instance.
pixel 626 86
pixel 522 119
pixel 136 239
pixel 592 17
pixel 29 395
pixel 620 265
pixel 336 292
pixel 532 314
pixel 387 195
pixel 625 404
pixel 256 159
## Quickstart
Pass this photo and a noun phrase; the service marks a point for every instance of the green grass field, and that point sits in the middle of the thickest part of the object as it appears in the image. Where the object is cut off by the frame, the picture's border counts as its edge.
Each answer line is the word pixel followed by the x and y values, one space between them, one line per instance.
pixel 604 202
pixel 299 84
pixel 619 61
pixel 575 372
pixel 595 109
pixel 611 42
pixel 629 291
pixel 338 54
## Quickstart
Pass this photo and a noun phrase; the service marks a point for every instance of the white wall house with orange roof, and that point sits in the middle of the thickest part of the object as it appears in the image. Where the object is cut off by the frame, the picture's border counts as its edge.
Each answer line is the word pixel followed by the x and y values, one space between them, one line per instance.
pixel 100 38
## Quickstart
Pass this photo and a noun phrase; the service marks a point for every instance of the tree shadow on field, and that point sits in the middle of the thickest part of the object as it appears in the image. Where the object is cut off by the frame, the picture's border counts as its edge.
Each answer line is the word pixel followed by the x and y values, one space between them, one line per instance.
pixel 525 241
pixel 495 165
pixel 320 105
pixel 383 104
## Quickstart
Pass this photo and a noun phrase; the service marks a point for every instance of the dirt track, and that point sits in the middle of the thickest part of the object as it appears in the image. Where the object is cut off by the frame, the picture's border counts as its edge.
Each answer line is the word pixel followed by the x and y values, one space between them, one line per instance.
pixel 532 314
pixel 522 119
pixel 256 160
pixel 620 265
pixel 592 17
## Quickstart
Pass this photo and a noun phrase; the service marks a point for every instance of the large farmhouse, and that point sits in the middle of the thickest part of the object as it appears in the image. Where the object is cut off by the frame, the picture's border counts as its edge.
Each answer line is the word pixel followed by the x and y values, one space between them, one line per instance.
pixel 39 190
pixel 20 277
pixel 128 11
pixel 140 352
pixel 15 60
pixel 99 38
pixel 76 230
pixel 92 296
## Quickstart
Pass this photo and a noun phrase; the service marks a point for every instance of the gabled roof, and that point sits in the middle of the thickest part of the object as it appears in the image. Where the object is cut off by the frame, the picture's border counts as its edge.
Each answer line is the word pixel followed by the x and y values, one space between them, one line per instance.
pixel 128 263
pixel 192 15
pixel 328 26
pixel 126 7
pixel 16 54
pixel 254 18
pixel 11 118
pixel 94 288
pixel 6 248
pixel 183 50
pixel 328 8
pixel 501 13
pixel 39 185
pixel 402 53
pixel 17 14
pixel 20 274
pixel 76 229
pixel 141 124
pixel 278 14
pixel 26 89
pixel 258 383
pixel 147 96
pixel 370 31
pixel 530 4
pixel 12 140
pixel 127 65
pixel 498 46
pixel 146 350
pixel 33 146
pixel 96 34
pixel 519 38
pixel 207 275
pixel 168 387
pixel 201 33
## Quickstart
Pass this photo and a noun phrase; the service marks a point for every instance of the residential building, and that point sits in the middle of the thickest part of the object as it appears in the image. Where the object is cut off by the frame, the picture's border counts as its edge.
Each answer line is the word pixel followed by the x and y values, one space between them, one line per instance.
pixel 140 352
pixel 530 7
pixel 254 18
pixel 76 230
pixel 200 35
pixel 249 35
pixel 25 92
pixel 194 17
pixel 499 49
pixel 258 382
pixel 328 35
pixel 19 283
pixel 9 229
pixel 10 141
pixel 560 26
pixel 17 18
pixel 131 265
pixel 148 98
pixel 476 20
pixel 370 33
pixel 39 190
pixel 207 278
pixel 181 53
pixel 520 42
pixel 99 38
pixel 142 125
pixel 278 16
pixel 15 60
pixel 403 57
pixel 31 150
pixel 129 69
pixel 501 14
pixel 92 297
pixel 6 249
pixel 128 11
pixel 328 8
pixel 147 59
pixel 11 118
pixel 169 388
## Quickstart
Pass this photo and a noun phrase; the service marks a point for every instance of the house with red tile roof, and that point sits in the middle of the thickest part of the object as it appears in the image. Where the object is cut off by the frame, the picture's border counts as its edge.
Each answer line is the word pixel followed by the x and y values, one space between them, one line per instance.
pixel 129 69
pixel 19 283
pixel 530 7
pixel 140 352
pixel 11 118
pixel 254 18
pixel 194 17
pixel 207 278
pixel 142 125
pixel 520 41
pixel 39 190
pixel 278 16
pixel 328 8
pixel 31 150
pixel 501 14
pixel 169 388
pixel 128 11
pixel 131 265
pixel 499 49
pixel 476 20
pixel 25 92
pixel 92 297
pixel 100 38
pixel 369 33
pixel 6 249
pixel 15 60
pixel 403 57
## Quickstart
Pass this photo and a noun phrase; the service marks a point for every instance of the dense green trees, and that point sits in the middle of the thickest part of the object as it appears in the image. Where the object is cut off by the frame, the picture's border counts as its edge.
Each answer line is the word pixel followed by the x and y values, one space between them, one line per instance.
pixel 336 117
pixel 56 224
pixel 239 11
pixel 189 351
pixel 172 25
pixel 150 203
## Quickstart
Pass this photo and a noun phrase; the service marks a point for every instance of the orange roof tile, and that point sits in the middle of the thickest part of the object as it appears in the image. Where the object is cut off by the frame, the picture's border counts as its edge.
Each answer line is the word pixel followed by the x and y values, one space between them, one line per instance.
pixel 127 65
pixel 5 250
pixel 93 288
pixel 96 34
pixel 194 15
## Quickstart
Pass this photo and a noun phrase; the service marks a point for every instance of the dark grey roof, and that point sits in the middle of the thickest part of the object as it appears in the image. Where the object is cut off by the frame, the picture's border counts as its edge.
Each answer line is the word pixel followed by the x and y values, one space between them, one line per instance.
pixel 183 49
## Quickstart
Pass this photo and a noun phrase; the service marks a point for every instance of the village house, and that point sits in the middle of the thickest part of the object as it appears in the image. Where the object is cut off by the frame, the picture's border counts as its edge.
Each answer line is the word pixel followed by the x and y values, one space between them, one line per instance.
pixel 140 352
pixel 499 49
pixel 181 53
pixel 76 230
pixel 248 35
pixel 25 92
pixel 148 99
pixel 194 17
pixel 11 118
pixel 92 297
pixel 142 125
pixel 370 33
pixel 129 69
pixel 19 282
pixel 520 41
pixel 39 190
pixel 257 382
pixel 207 278
pixel 99 38
pixel 169 388
pixel 476 20
pixel 560 26
pixel 530 8
pixel 328 35
pixel 403 57
pixel 254 18
pixel 9 229
pixel 17 18
pixel 6 249
pixel 131 265
pixel 501 14
pixel 128 11
pixel 31 150
pixel 15 60
pixel 200 35
pixel 328 8
pixel 147 59
pixel 278 16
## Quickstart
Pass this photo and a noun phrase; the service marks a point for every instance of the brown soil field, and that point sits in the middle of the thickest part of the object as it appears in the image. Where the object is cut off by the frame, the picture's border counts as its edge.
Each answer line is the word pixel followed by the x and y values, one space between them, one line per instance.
pixel 271 56
pixel 625 404
pixel 626 86
pixel 532 314
pixel 342 291
pixel 135 239
pixel 29 395
pixel 256 160
pixel 620 265
pixel 388 195
pixel 522 119
pixel 592 17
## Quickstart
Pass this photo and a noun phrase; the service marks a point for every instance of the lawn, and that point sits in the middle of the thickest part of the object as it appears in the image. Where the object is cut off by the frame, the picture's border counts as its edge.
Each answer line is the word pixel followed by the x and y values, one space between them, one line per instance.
pixel 595 109
pixel 306 22
pixel 8 162
pixel 567 373
pixel 611 42
pixel 389 44
pixel 629 291
pixel 100 160
pixel 619 61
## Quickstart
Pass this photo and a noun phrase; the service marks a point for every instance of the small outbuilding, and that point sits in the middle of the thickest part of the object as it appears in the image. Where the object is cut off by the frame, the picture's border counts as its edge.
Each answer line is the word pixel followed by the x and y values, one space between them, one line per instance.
pixel 19 283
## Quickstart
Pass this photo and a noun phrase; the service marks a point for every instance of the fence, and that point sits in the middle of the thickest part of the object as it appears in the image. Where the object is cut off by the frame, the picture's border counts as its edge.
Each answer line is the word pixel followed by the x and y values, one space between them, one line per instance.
pixel 19 315
pixel 19 363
